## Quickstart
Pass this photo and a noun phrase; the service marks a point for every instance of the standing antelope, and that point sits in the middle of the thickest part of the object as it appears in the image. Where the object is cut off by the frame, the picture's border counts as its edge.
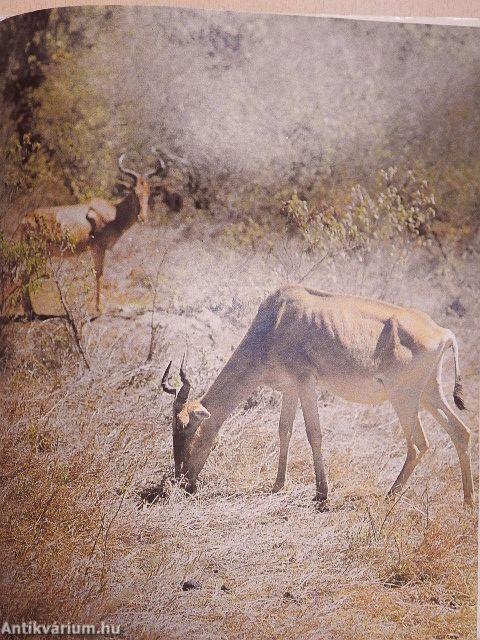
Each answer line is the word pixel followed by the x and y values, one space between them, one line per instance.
pixel 363 350
pixel 96 225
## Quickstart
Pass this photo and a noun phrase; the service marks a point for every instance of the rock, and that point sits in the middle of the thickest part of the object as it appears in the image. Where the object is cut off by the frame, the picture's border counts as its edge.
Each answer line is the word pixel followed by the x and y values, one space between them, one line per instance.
pixel 457 307
pixel 188 585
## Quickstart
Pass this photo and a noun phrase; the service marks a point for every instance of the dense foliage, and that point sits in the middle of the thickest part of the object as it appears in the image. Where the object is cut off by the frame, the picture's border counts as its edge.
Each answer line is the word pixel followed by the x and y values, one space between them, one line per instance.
pixel 54 137
pixel 296 151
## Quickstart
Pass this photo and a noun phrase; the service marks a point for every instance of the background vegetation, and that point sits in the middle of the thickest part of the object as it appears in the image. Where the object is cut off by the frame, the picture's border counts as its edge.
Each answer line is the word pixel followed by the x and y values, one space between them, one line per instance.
pixel 259 106
pixel 340 154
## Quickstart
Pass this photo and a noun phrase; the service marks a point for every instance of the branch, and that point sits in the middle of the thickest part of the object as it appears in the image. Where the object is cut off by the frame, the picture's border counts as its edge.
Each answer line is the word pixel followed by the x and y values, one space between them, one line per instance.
pixel 329 254
pixel 71 321
pixel 153 327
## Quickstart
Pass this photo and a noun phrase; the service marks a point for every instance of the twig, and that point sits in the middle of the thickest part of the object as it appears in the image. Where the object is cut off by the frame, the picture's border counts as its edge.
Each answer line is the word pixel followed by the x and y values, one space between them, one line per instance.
pixel 71 321
pixel 390 510
pixel 153 327
pixel 95 542
pixel 448 262
pixel 109 526
pixel 329 254
pixel 314 267
pixel 372 523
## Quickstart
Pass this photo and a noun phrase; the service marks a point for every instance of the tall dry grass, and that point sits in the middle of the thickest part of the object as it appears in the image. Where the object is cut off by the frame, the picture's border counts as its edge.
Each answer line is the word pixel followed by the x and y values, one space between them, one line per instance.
pixel 88 535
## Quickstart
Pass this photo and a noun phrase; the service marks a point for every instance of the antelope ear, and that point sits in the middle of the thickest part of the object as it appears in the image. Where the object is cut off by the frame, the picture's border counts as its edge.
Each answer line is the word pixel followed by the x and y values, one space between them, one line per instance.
pixel 200 413
pixel 182 420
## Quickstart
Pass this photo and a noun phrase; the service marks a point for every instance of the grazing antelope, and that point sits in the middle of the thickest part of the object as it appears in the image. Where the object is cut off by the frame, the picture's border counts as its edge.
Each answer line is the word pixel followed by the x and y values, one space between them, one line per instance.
pixel 362 350
pixel 96 225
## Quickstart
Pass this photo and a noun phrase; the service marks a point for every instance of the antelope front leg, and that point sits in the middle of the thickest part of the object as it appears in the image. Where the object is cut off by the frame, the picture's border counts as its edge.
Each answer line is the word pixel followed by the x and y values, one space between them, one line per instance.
pixel 287 416
pixel 308 401
pixel 99 259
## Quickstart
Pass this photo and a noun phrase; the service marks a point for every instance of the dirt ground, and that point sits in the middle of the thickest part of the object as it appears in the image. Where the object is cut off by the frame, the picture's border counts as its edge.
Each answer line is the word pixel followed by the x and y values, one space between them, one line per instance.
pixel 94 529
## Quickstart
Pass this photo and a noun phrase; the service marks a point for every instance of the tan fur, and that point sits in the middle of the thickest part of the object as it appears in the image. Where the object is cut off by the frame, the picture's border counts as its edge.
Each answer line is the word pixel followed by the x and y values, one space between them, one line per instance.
pixel 363 350
pixel 100 213
pixel 96 225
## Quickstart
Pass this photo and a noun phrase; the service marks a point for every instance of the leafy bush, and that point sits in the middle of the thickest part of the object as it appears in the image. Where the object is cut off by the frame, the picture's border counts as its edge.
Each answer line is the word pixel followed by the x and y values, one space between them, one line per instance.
pixel 20 263
pixel 402 205
pixel 57 120
pixel 23 262
pixel 70 121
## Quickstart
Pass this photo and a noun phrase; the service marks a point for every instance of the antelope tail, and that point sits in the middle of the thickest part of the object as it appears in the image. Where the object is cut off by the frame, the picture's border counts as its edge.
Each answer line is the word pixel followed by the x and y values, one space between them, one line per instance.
pixel 458 388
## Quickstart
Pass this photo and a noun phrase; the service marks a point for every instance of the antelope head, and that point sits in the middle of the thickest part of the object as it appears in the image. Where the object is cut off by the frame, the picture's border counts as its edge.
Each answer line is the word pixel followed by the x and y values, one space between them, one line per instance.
pixel 141 184
pixel 187 417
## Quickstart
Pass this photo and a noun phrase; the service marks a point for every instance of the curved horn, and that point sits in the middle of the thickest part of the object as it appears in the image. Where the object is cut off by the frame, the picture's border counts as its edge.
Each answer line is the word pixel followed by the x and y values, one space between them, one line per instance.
pixel 182 395
pixel 160 167
pixel 193 176
pixel 165 386
pixel 128 172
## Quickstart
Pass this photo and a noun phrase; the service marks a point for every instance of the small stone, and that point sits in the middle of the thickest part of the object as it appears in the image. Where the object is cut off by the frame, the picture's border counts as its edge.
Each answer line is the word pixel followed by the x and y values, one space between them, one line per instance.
pixel 188 585
pixel 458 308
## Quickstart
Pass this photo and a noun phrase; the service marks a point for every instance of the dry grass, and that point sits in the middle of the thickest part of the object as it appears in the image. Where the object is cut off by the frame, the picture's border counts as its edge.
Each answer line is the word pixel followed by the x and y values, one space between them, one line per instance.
pixel 79 447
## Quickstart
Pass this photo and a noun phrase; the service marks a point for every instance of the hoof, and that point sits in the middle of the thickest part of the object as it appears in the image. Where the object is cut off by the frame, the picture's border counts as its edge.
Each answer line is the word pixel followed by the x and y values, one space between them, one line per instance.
pixel 321 505
pixel 392 495
pixel 190 488
pixel 277 487
pixel 321 502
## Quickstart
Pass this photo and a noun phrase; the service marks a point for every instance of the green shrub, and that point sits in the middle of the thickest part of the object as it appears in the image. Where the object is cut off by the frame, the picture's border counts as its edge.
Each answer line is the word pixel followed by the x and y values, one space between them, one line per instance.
pixel 54 134
pixel 401 205
pixel 23 262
